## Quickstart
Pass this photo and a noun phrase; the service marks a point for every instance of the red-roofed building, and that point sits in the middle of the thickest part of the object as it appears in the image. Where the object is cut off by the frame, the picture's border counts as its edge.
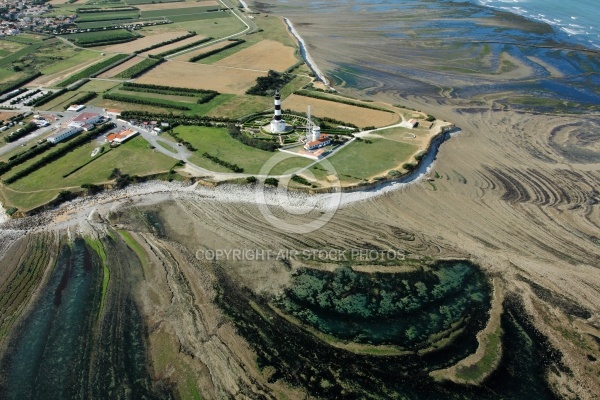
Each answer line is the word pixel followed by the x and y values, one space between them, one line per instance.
pixel 121 137
pixel 323 141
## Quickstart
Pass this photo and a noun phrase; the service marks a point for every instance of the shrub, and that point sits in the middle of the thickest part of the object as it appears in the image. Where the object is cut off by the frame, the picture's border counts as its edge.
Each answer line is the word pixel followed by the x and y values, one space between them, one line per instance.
pixel 300 180
pixel 272 182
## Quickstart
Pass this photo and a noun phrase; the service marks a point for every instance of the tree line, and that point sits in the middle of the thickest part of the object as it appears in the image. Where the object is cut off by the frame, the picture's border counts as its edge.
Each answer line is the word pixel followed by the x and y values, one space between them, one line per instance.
pixel 84 98
pixel 148 102
pixel 140 68
pixel 166 42
pixel 178 49
pixel 24 156
pixel 10 86
pixel 234 42
pixel 228 165
pixel 160 89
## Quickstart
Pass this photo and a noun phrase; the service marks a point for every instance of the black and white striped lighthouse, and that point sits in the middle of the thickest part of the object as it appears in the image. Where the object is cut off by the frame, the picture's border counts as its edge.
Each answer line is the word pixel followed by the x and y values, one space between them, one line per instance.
pixel 277 123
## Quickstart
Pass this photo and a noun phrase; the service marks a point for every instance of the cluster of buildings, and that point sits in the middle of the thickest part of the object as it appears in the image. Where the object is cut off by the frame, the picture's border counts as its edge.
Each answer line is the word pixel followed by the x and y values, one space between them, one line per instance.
pixel 83 122
pixel 18 16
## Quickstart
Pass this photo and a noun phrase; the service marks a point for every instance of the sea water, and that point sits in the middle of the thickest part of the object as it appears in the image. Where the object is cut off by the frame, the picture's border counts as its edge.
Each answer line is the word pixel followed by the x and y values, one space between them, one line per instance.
pixel 578 19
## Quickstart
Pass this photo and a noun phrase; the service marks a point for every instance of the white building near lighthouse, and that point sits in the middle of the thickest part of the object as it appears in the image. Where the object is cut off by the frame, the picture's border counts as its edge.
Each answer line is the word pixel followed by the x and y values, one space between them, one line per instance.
pixel 277 123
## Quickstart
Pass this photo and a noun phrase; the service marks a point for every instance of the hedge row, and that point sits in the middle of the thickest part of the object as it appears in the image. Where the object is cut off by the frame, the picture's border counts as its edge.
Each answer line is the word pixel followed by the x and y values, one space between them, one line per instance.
pixel 78 141
pixel 94 69
pixel 157 45
pixel 10 86
pixel 84 98
pixel 178 90
pixel 24 131
pixel 317 95
pixel 24 156
pixel 147 102
pixel 140 68
pixel 108 9
pixel 107 42
pixel 172 118
pixel 182 48
pixel 233 167
pixel 234 42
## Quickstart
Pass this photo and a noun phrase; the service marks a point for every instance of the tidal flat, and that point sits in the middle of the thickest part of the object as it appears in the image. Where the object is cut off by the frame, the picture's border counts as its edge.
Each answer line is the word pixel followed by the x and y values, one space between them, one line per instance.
pixel 446 49
pixel 514 197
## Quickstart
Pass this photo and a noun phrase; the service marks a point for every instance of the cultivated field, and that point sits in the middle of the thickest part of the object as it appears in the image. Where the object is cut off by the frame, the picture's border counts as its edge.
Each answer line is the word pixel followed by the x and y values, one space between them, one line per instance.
pixel 144 42
pixel 358 116
pixel 121 67
pixel 175 6
pixel 264 55
pixel 199 76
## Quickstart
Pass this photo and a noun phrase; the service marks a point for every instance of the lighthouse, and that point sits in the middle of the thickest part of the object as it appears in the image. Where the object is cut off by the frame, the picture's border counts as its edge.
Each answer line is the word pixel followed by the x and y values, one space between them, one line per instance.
pixel 277 124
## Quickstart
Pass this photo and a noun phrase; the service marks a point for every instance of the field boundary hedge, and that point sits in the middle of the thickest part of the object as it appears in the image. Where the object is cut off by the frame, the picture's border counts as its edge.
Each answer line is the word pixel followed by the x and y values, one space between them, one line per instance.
pixel 234 42
pixel 166 42
pixel 148 102
pixel 140 68
pixel 10 86
pixel 182 48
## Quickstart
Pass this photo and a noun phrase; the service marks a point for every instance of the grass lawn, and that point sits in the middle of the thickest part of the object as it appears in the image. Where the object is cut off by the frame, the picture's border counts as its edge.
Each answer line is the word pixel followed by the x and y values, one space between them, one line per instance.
pixel 239 106
pixel 217 142
pixel 134 158
pixel 361 160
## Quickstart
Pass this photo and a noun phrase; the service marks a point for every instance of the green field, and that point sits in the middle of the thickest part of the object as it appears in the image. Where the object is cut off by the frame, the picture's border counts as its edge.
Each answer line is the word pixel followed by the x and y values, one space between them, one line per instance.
pixel 134 158
pixel 217 28
pixel 177 11
pixel 106 16
pixel 217 142
pixel 80 56
pixel 361 161
pixel 100 37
